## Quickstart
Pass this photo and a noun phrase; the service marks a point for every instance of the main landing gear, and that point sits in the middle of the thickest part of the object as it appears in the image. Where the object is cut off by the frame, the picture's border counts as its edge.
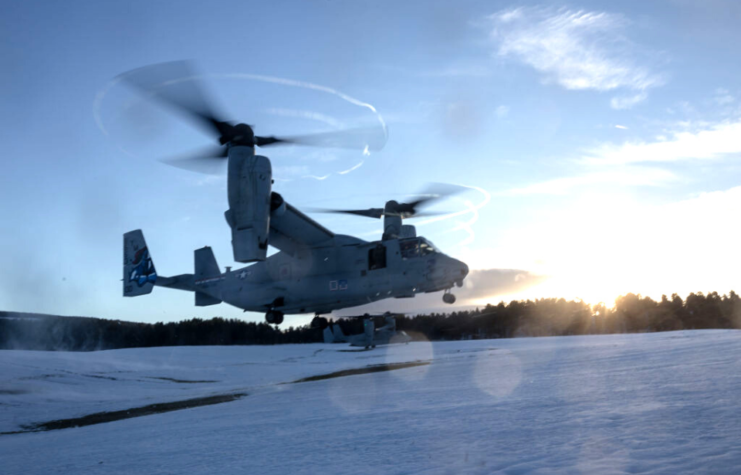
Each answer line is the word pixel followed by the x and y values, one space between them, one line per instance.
pixel 274 317
pixel 448 297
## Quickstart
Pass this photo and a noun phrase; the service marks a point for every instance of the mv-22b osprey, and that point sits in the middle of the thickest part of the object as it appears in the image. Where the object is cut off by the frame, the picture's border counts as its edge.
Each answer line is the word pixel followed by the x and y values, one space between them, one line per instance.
pixel 316 270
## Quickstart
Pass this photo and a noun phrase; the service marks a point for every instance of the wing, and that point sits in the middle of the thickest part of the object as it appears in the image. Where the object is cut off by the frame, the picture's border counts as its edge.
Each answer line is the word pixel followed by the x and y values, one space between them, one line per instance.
pixel 292 230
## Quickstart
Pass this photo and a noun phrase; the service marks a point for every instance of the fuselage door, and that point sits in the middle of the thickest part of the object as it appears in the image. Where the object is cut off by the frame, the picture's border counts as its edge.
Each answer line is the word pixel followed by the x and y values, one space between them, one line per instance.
pixel 377 257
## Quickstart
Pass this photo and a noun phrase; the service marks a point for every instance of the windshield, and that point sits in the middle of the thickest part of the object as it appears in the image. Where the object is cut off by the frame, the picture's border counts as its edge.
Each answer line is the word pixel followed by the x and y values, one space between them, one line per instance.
pixel 426 247
pixel 415 247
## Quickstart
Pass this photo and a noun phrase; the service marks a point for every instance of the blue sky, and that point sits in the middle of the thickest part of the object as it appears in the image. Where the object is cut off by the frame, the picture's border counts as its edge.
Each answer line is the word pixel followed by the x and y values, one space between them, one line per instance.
pixel 600 140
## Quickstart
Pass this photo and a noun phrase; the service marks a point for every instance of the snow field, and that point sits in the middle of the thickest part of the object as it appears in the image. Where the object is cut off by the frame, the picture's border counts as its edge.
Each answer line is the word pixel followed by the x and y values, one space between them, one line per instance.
pixel 649 403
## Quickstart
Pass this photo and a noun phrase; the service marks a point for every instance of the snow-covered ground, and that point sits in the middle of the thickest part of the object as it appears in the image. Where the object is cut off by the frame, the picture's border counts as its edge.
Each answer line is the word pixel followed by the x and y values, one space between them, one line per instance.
pixel 652 403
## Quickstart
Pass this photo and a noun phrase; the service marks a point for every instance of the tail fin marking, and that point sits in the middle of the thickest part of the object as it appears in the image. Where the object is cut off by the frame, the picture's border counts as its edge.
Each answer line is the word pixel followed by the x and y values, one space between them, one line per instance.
pixel 139 272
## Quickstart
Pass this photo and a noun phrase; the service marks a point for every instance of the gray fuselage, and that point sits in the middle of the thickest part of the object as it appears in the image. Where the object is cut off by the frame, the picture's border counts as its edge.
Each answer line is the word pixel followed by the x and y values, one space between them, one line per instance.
pixel 346 273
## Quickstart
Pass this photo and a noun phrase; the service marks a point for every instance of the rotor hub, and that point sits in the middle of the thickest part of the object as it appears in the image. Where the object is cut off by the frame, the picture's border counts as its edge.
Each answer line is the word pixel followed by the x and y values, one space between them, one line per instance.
pixel 240 134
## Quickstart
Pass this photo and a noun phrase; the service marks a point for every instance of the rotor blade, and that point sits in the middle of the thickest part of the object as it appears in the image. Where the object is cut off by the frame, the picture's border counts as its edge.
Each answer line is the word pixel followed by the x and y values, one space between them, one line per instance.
pixel 368 213
pixel 266 141
pixel 211 161
pixel 372 138
pixel 434 192
pixel 175 84
pixel 427 214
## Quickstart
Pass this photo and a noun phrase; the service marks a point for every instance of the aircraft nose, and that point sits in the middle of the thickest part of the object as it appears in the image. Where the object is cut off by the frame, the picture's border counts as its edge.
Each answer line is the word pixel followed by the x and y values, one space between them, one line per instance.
pixel 464 269
pixel 460 272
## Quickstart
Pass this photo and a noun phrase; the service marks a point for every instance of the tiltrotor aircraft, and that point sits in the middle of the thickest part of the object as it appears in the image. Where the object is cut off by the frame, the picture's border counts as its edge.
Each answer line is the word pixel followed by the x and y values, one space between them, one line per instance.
pixel 315 270
pixel 371 336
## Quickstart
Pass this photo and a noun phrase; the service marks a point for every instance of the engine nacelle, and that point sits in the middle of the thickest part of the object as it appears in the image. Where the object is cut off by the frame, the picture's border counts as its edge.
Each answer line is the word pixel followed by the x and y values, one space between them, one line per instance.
pixel 249 189
pixel 391 227
pixel 408 231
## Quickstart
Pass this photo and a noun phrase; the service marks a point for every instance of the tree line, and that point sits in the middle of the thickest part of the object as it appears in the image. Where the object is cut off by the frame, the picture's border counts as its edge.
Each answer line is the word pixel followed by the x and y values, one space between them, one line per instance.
pixel 559 317
pixel 90 334
pixel 543 317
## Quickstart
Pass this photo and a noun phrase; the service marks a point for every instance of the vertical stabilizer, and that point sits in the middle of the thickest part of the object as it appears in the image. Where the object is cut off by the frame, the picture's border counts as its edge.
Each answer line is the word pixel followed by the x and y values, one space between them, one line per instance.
pixel 139 273
pixel 205 264
pixel 337 331
pixel 207 277
pixel 328 335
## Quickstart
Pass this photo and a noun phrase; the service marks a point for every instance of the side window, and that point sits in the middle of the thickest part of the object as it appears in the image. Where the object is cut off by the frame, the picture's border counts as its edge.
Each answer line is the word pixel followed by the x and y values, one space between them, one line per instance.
pixel 377 257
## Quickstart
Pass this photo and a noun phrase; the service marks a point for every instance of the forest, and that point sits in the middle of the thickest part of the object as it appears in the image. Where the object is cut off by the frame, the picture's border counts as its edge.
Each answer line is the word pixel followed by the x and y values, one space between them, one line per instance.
pixel 534 318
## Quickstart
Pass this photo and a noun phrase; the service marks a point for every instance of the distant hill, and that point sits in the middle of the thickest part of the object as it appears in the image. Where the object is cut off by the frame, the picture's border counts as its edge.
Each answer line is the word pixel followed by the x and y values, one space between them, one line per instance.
pixel 26 316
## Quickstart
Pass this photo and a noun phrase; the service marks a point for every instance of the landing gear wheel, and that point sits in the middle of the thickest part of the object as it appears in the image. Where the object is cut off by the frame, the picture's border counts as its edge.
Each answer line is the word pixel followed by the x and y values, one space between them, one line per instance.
pixel 448 298
pixel 319 322
pixel 274 317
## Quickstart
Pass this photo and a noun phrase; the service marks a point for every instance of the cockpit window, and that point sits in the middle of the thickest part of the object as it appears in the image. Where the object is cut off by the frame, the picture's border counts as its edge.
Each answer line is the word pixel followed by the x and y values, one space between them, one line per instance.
pixel 411 248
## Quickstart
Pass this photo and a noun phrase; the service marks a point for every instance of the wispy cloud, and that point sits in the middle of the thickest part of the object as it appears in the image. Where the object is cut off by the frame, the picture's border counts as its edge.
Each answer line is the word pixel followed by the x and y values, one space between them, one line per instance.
pixel 626 102
pixel 723 97
pixel 575 49
pixel 631 176
pixel 710 142
pixel 621 163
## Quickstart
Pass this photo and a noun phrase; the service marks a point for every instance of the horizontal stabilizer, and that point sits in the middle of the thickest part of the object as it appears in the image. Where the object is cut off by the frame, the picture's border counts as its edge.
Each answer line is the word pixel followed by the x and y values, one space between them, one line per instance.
pixel 204 300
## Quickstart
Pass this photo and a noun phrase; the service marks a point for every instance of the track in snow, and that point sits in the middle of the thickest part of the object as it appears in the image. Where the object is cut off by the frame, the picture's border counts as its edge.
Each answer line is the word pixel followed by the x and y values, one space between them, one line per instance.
pixel 159 408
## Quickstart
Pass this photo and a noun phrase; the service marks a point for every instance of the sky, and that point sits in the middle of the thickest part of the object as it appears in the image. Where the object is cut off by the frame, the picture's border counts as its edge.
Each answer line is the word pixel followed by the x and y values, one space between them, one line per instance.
pixel 599 142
